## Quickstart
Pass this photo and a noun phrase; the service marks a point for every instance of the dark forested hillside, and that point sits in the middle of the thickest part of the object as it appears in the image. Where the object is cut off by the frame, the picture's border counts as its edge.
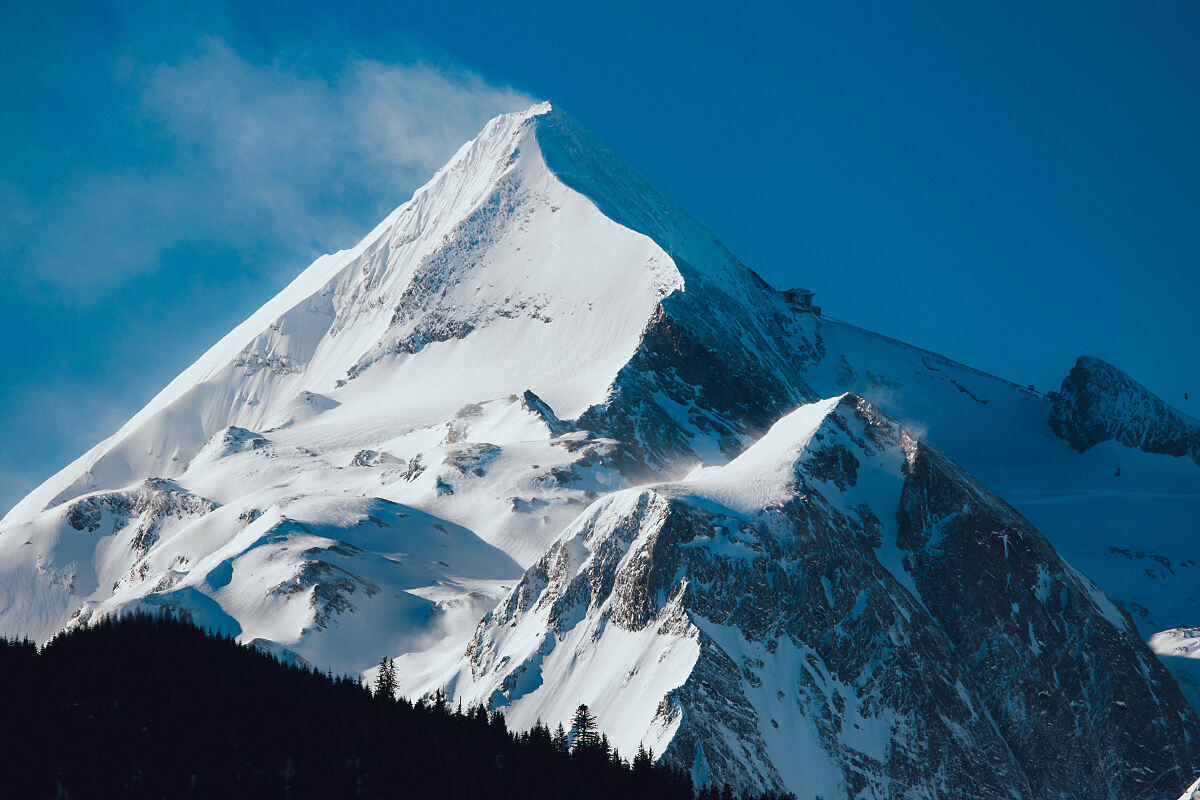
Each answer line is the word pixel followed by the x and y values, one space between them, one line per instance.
pixel 152 707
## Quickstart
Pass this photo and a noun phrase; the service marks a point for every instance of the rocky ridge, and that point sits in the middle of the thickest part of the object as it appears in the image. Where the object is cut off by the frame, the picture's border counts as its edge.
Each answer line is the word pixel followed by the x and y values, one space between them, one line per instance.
pixel 1099 403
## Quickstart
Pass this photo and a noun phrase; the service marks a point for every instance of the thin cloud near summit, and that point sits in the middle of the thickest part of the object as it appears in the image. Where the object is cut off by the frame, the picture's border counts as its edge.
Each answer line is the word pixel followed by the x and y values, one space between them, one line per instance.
pixel 271 159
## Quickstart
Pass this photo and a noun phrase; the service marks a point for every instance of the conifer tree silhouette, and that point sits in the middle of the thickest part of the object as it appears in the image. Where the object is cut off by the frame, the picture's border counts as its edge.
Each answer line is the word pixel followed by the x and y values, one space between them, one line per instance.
pixel 584 735
pixel 385 679
pixel 560 740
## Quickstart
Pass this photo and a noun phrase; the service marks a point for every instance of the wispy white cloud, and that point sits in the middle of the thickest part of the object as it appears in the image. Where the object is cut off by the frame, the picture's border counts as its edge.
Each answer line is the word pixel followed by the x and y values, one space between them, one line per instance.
pixel 189 189
pixel 271 160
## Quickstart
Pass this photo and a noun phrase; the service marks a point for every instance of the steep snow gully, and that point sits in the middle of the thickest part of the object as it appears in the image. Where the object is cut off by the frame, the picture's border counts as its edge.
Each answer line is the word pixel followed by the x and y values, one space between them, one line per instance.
pixel 542 439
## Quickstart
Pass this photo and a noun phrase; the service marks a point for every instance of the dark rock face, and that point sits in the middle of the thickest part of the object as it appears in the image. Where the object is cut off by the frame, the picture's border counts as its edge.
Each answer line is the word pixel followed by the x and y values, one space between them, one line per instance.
pixel 855 648
pixel 888 592
pixel 692 384
pixel 149 504
pixel 541 409
pixel 332 587
pixel 1099 402
pixel 1074 692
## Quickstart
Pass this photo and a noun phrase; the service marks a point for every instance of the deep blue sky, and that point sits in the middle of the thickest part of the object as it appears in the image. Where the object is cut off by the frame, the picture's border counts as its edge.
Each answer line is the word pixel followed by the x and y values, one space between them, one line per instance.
pixel 1011 184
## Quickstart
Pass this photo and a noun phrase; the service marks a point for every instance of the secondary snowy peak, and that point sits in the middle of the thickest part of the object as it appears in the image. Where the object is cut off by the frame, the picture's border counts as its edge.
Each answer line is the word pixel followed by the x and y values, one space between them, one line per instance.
pixel 1098 403
pixel 825 612
pixel 766 474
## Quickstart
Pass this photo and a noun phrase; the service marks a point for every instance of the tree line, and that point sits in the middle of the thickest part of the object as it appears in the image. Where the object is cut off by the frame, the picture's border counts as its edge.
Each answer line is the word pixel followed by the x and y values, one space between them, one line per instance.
pixel 150 706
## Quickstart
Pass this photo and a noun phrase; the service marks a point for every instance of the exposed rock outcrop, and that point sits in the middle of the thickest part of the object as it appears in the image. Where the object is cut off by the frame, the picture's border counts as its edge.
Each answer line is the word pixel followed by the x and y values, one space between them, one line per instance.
pixel 1098 403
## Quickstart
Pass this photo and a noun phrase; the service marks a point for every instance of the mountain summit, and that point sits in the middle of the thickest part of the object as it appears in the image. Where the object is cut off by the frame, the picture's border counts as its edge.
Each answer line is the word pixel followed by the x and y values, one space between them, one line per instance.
pixel 542 439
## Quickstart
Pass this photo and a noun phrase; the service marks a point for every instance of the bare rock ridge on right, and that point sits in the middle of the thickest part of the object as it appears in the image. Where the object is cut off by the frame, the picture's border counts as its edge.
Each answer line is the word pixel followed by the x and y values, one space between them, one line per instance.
pixel 1099 403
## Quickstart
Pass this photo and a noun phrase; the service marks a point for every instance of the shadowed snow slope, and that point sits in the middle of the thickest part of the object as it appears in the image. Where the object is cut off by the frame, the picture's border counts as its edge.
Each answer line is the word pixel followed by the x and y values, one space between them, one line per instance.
pixel 369 463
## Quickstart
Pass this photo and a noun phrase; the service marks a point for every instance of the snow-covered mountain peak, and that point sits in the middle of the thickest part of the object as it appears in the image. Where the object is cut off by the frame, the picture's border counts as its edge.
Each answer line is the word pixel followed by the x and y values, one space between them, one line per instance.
pixel 534 260
pixel 766 473
pixel 493 279
pixel 473 442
